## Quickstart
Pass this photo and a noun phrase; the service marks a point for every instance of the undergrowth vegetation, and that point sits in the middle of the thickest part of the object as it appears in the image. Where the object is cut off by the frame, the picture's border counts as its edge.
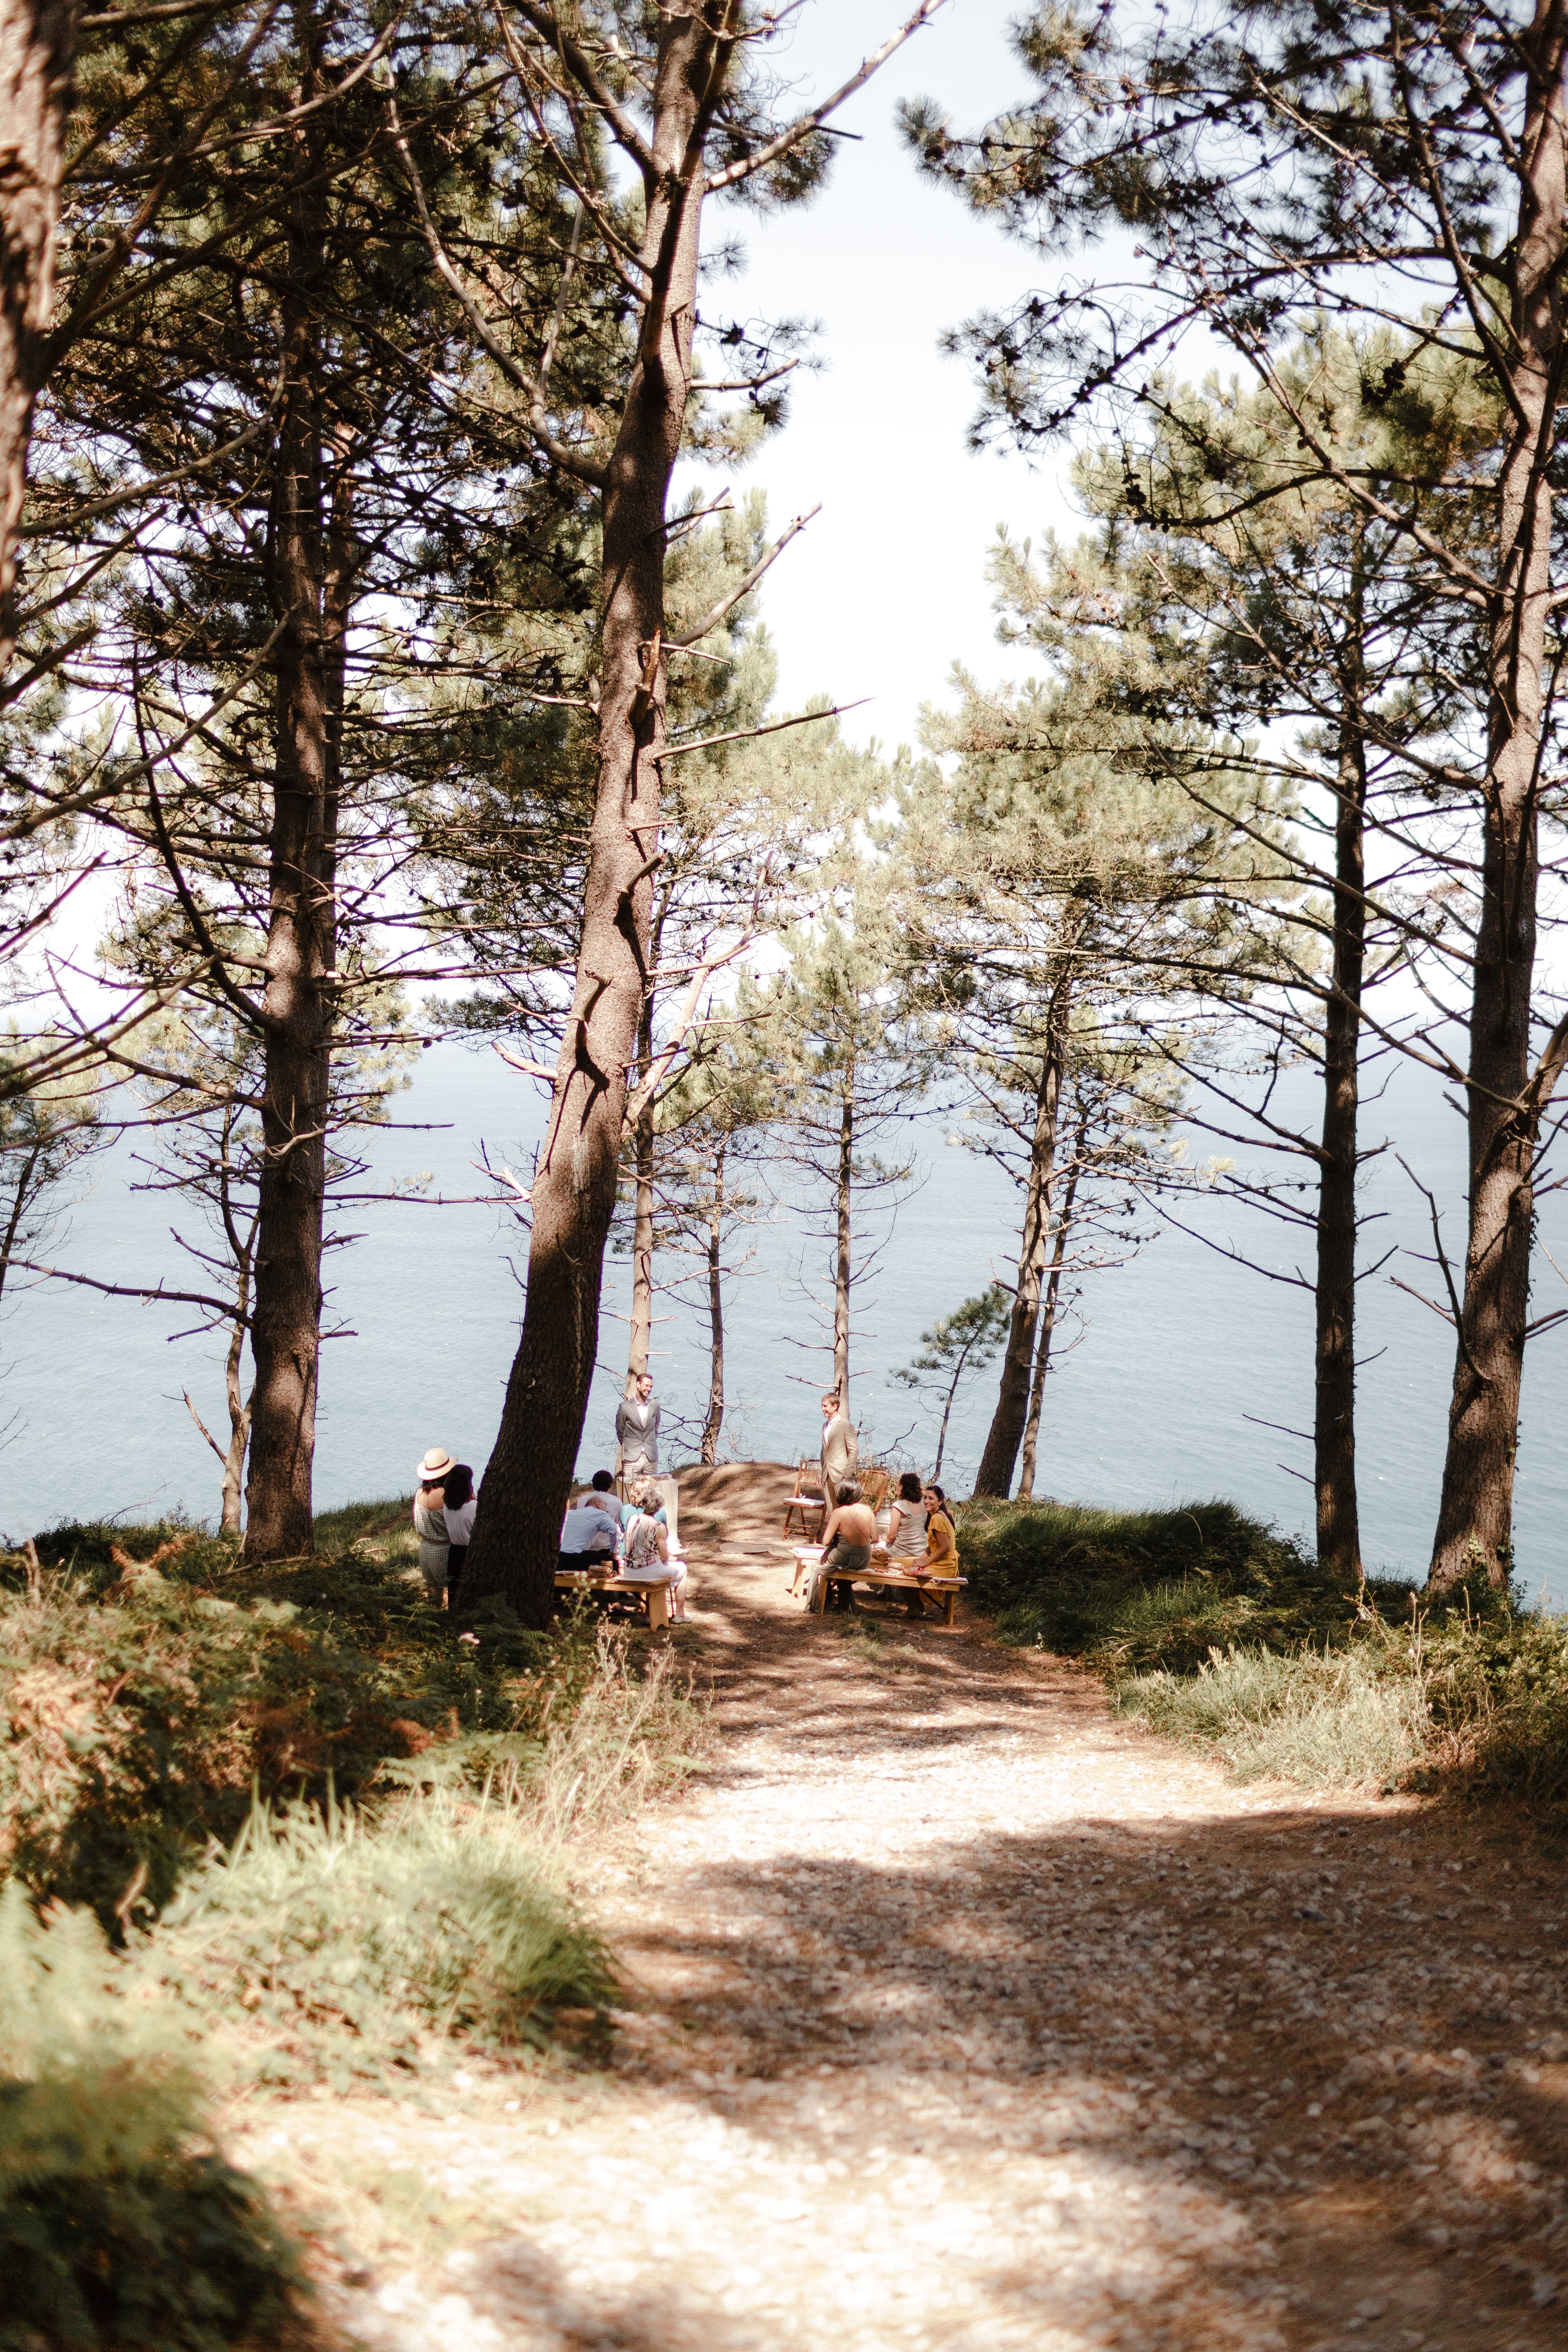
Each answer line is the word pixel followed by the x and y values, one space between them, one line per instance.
pixel 277 1828
pixel 121 2224
pixel 1215 1629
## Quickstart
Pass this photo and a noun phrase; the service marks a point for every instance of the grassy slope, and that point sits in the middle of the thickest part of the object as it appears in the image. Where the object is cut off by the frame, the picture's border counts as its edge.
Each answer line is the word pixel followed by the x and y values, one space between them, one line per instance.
pixel 1217 1630
pixel 291 1829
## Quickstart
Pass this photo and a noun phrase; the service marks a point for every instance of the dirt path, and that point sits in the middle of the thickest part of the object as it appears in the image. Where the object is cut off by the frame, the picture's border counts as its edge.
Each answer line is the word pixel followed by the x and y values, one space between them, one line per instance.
pixel 966 2017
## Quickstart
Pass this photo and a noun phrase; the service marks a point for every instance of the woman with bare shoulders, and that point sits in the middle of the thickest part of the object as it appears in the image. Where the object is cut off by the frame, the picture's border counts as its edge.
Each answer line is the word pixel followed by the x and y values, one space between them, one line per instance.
pixel 846 1542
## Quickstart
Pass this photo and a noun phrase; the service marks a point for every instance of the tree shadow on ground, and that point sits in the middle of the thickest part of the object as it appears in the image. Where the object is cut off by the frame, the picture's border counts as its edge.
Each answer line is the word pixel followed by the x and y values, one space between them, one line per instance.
pixel 1148 2011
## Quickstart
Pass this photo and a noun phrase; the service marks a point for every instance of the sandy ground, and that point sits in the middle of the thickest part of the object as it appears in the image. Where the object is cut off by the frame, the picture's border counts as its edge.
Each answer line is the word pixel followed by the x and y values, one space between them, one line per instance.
pixel 960 2015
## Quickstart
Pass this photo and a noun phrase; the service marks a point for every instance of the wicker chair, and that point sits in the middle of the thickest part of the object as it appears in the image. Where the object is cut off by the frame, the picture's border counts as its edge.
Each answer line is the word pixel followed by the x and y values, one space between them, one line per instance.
pixel 876 1485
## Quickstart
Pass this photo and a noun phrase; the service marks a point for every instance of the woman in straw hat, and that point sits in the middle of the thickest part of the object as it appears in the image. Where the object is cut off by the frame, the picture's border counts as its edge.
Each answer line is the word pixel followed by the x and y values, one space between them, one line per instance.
pixel 429 1525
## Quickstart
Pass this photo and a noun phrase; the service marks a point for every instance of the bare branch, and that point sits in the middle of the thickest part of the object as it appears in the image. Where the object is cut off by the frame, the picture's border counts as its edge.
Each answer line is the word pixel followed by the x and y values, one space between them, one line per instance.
pixel 206 1433
pixel 224 1306
pixel 728 604
pixel 744 734
pixel 770 153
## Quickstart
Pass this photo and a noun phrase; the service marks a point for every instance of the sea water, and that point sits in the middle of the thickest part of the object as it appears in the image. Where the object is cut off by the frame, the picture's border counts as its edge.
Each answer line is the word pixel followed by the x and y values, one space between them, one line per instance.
pixel 1163 1393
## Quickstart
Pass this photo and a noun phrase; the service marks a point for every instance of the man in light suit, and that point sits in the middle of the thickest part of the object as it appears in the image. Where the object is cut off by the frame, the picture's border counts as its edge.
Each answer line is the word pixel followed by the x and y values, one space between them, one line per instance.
pixel 636 1436
pixel 840 1448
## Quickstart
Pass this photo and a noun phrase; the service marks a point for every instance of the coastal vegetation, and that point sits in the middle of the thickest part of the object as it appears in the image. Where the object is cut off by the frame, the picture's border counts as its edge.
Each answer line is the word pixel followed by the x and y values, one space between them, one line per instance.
pixel 264 1833
pixel 375 666
pixel 1213 1628
pixel 383 662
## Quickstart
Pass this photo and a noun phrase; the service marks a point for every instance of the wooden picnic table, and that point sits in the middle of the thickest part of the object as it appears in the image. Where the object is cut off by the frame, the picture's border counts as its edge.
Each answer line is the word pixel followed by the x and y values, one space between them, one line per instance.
pixel 888 1575
pixel 653 1590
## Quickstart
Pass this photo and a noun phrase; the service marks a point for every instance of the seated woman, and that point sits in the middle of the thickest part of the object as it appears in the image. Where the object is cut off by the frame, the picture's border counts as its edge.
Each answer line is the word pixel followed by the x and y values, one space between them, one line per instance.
pixel 940 1546
pixel 647 1557
pixel 846 1542
pixel 906 1518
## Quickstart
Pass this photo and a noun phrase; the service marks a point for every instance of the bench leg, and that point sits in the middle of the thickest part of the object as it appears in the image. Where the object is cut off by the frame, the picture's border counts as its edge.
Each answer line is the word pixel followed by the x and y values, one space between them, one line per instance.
pixel 951 1600
pixel 821 1596
pixel 657 1607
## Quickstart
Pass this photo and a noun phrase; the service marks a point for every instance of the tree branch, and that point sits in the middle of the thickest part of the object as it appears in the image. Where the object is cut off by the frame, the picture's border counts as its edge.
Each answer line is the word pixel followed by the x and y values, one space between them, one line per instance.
pixel 744 734
pixel 728 604
pixel 801 128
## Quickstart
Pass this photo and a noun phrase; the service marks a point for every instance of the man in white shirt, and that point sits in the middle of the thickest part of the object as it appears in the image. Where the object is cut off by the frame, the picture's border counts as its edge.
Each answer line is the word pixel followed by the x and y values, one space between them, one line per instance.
pixel 590 1534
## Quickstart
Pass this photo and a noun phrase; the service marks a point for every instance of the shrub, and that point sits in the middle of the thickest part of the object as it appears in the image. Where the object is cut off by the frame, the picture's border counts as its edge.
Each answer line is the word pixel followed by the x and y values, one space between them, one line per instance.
pixel 1498 1689
pixel 119 2225
pixel 1348 1719
pixel 1134 1591
pixel 138 1720
pixel 334 1945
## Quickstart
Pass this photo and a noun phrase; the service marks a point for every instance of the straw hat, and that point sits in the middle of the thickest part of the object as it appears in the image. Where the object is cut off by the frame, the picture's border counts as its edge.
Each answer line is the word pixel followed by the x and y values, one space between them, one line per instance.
pixel 435 1466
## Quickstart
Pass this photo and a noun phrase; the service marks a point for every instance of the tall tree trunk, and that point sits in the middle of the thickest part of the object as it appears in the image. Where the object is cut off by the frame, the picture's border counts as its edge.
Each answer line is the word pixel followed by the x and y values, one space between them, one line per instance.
pixel 521 1499
pixel 947 1413
pixel 1333 1421
pixel 239 1439
pixel 715 1418
pixel 1049 1323
pixel 639 1338
pixel 994 1475
pixel 843 1205
pixel 300 952
pixel 37 41
pixel 242 1249
pixel 1475 1520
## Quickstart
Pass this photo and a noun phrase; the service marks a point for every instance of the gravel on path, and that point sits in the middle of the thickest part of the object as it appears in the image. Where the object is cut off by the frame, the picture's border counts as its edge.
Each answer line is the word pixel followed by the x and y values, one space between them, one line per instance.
pixel 961 2015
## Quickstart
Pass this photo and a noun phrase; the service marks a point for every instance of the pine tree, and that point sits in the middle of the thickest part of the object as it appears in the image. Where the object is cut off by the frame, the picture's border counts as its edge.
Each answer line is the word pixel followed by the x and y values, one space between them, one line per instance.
pixel 1273 166
pixel 1247 593
pixel 289 642
pixel 1069 874
pixel 686 101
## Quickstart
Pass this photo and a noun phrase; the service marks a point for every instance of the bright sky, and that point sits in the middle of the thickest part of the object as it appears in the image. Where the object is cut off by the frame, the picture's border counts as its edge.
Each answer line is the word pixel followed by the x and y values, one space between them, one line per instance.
pixel 886 587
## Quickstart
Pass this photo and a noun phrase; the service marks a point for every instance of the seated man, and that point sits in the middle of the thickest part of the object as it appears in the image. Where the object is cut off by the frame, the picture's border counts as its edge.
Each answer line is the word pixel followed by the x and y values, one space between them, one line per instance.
pixel 590 1534
pixel 603 1485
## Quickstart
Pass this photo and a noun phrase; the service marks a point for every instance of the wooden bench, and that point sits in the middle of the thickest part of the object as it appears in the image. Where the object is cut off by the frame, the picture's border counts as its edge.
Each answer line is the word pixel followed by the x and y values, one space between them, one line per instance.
pixel 887 1577
pixel 654 1591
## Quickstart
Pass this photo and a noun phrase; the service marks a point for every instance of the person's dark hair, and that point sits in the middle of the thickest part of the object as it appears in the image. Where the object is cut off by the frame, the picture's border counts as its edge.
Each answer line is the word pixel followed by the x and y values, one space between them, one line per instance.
pixel 459 1486
pixel 849 1493
pixel 910 1487
pixel 601 1482
pixel 931 1487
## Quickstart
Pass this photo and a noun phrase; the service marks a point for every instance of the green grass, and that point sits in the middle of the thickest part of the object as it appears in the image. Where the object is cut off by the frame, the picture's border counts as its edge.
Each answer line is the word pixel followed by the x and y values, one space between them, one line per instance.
pixel 336 1945
pixel 1337 1719
pixel 279 1828
pixel 1135 1591
pixel 122 2226
pixel 143 1709
pixel 1214 1628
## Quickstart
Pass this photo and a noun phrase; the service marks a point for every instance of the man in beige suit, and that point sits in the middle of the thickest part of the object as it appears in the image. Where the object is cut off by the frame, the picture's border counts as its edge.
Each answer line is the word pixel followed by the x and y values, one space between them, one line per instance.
pixel 840 1451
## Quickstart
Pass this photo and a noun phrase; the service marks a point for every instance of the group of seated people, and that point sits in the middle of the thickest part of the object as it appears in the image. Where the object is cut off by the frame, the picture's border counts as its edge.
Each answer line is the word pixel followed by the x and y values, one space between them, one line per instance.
pixel 918 1536
pixel 629 1538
